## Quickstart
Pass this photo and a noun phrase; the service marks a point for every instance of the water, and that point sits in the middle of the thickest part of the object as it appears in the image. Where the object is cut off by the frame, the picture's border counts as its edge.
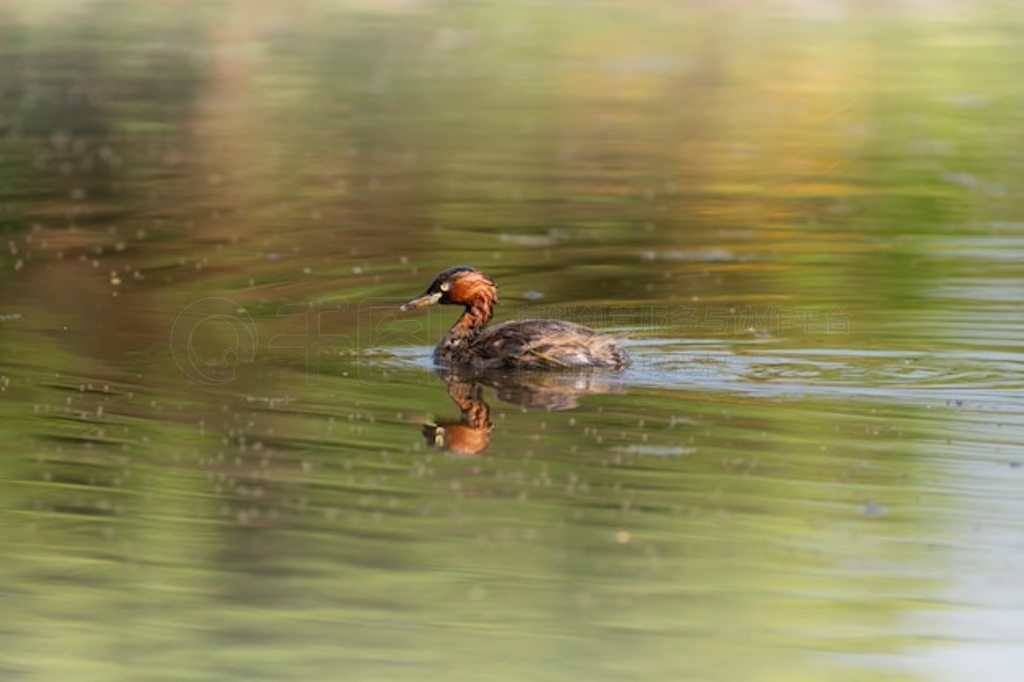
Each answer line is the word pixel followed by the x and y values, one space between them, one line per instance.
pixel 222 437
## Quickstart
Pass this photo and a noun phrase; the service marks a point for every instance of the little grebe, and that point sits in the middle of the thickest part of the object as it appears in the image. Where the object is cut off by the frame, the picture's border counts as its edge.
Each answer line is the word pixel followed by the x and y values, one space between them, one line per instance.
pixel 518 344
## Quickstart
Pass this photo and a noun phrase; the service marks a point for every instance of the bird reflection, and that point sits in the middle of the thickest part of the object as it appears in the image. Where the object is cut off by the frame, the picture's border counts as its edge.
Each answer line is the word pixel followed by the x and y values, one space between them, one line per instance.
pixel 470 434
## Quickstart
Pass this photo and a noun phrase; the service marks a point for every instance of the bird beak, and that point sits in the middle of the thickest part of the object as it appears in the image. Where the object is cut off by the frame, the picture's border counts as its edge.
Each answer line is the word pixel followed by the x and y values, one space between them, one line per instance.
pixel 425 299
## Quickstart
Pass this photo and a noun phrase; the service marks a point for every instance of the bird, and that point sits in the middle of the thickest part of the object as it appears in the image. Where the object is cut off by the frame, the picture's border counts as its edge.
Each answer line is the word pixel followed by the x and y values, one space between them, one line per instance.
pixel 517 344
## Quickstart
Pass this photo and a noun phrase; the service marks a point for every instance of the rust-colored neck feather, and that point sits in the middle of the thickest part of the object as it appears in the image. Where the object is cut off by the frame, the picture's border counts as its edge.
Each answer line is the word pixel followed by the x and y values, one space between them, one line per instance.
pixel 479 295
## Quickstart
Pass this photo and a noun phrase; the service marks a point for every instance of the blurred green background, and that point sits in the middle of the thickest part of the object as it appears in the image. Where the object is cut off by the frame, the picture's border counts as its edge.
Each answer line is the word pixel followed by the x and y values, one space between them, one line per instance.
pixel 807 214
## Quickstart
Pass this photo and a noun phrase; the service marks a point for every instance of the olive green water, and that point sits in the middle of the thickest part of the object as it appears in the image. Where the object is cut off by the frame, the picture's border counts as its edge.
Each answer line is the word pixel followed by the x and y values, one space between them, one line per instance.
pixel 808 216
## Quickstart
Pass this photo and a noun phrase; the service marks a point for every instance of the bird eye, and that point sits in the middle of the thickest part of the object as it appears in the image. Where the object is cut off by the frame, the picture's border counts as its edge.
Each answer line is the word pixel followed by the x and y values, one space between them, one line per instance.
pixel 445 286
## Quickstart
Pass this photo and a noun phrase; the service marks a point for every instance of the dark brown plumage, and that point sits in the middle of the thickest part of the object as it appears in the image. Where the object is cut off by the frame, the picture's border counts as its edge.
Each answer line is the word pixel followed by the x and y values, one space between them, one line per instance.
pixel 518 344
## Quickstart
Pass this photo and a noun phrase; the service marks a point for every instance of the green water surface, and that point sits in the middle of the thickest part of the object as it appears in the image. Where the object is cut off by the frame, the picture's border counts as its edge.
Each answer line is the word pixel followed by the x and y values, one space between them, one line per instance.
pixel 807 216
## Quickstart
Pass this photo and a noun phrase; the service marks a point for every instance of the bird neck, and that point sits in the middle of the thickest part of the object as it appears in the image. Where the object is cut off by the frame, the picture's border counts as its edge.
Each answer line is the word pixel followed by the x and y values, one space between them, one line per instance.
pixel 478 313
